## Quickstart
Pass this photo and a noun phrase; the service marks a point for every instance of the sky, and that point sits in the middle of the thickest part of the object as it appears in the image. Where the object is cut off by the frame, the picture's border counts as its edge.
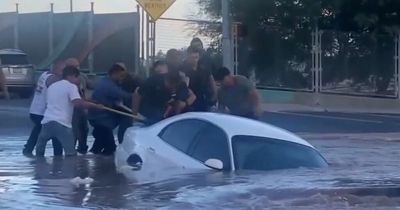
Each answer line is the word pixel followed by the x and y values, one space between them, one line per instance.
pixel 170 34
pixel 180 9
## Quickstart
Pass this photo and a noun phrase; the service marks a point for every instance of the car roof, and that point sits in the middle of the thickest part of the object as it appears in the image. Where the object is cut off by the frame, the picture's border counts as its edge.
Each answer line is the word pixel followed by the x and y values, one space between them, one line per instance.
pixel 235 126
pixel 11 52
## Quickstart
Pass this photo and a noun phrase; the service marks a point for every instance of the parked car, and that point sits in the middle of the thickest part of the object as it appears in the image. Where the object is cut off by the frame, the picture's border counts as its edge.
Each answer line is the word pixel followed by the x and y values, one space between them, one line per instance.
pixel 18 72
pixel 215 141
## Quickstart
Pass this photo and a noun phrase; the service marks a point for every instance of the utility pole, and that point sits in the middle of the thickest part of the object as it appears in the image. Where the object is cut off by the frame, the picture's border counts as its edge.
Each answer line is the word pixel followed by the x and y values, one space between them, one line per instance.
pixel 71 5
pixel 16 28
pixel 90 38
pixel 226 35
pixel 51 30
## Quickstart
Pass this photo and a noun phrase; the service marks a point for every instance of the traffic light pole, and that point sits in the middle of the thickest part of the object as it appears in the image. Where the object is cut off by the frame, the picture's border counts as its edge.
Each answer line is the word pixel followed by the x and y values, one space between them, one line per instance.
pixel 227 48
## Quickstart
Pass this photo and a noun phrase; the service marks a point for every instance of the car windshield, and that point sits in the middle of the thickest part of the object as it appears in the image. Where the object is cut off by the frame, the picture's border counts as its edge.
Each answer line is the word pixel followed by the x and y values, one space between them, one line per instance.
pixel 14 60
pixel 260 153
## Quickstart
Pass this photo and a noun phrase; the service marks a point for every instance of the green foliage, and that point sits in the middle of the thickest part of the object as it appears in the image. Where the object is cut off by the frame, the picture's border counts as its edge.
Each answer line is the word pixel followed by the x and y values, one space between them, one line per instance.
pixel 279 36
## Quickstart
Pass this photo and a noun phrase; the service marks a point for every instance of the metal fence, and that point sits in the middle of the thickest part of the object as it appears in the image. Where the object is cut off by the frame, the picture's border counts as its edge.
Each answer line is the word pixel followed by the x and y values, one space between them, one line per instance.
pixel 285 61
pixel 358 64
pixel 177 33
pixel 309 59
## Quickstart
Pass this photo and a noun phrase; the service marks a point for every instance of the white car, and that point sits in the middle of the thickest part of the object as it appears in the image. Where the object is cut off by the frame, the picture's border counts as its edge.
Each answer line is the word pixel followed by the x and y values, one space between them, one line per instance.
pixel 214 141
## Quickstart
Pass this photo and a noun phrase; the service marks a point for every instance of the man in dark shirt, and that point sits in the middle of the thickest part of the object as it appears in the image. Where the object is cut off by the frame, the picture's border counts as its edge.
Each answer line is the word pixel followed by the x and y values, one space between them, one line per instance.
pixel 108 93
pixel 205 61
pixel 201 82
pixel 154 97
pixel 237 95
pixel 180 96
pixel 174 61
pixel 129 84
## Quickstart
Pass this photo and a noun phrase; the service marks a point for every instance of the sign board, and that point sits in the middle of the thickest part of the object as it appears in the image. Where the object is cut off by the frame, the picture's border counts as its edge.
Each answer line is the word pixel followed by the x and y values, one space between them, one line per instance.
pixel 156 8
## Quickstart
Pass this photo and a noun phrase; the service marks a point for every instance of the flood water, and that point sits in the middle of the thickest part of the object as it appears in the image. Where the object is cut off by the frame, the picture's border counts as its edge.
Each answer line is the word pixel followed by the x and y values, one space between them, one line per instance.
pixel 363 174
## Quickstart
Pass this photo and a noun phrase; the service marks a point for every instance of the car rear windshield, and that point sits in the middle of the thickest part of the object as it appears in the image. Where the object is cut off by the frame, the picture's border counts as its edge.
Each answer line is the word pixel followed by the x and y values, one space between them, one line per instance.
pixel 13 60
pixel 260 153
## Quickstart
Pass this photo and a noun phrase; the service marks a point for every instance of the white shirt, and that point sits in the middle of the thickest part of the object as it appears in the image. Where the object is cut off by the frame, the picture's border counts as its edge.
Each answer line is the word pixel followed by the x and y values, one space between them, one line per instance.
pixel 59 103
pixel 38 105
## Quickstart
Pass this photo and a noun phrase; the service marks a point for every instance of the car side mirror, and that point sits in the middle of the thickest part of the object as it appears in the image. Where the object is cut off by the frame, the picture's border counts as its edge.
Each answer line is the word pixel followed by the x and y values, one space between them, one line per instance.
pixel 215 164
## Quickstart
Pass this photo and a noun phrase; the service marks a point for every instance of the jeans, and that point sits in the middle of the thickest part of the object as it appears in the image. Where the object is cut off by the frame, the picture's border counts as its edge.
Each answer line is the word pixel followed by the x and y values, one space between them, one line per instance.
pixel 80 129
pixel 104 141
pixel 33 138
pixel 62 133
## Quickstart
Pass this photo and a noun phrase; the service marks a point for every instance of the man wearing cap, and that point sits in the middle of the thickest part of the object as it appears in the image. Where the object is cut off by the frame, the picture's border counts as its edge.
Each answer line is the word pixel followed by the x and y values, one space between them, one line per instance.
pixel 80 125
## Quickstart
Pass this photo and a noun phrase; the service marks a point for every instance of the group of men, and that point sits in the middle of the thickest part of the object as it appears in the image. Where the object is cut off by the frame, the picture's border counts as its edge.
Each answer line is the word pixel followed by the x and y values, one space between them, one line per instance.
pixel 59 98
pixel 174 86
pixel 191 85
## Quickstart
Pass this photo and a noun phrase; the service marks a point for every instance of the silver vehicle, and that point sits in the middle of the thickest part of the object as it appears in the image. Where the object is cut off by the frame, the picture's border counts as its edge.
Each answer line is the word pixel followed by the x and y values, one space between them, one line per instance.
pixel 19 73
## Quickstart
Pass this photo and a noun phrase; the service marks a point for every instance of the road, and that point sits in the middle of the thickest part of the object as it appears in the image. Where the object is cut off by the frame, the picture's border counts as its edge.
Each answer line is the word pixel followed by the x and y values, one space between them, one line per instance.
pixel 359 142
pixel 15 121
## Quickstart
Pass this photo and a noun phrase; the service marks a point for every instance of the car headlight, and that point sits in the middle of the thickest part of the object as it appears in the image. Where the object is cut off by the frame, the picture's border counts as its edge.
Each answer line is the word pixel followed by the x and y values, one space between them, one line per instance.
pixel 135 161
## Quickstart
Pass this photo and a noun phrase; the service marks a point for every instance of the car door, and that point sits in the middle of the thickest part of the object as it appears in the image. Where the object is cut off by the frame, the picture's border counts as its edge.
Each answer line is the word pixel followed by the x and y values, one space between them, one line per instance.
pixel 211 143
pixel 178 136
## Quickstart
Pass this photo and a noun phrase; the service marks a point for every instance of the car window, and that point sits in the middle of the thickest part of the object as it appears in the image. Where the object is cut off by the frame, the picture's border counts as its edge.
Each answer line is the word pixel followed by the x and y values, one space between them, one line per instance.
pixel 181 134
pixel 14 60
pixel 211 143
pixel 259 153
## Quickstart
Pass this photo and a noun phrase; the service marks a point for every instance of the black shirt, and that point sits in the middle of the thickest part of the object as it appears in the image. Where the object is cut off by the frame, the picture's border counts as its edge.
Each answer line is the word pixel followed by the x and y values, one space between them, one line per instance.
pixel 154 97
pixel 200 85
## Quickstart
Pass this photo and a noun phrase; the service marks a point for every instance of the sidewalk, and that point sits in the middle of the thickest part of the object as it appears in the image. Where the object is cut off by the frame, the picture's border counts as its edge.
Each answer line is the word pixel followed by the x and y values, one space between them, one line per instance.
pixel 277 101
pixel 311 102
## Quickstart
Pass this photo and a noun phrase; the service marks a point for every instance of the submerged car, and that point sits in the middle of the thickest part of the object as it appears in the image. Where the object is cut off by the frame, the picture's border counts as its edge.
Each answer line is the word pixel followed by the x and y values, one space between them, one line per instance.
pixel 215 141
pixel 18 72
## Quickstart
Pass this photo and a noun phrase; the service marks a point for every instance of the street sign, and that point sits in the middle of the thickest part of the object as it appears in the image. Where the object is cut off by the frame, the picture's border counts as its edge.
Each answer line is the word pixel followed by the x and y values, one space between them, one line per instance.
pixel 155 8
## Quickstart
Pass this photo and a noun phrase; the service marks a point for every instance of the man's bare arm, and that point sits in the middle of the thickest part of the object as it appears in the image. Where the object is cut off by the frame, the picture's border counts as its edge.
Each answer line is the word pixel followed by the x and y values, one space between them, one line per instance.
pixel 222 108
pixel 192 98
pixel 255 101
pixel 213 88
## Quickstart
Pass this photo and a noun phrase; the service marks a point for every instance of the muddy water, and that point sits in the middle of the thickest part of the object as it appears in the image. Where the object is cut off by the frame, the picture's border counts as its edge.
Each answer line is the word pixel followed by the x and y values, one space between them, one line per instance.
pixel 363 174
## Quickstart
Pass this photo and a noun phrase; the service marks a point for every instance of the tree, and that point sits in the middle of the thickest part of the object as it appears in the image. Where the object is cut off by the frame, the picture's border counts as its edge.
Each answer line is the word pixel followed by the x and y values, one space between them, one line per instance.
pixel 279 36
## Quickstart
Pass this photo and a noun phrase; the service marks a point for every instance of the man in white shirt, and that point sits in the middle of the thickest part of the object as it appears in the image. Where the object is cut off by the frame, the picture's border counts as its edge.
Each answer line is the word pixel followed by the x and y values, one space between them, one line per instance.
pixel 62 97
pixel 38 107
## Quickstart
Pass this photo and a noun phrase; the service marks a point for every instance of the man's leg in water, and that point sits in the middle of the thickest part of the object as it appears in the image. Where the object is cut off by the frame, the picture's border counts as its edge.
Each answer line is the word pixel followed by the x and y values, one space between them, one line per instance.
pixel 125 123
pixel 65 136
pixel 57 147
pixel 44 137
pixel 98 144
pixel 80 129
pixel 33 138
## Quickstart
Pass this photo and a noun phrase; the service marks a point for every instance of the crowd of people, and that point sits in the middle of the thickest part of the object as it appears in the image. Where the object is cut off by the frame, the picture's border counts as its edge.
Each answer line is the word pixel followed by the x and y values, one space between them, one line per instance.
pixel 61 109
